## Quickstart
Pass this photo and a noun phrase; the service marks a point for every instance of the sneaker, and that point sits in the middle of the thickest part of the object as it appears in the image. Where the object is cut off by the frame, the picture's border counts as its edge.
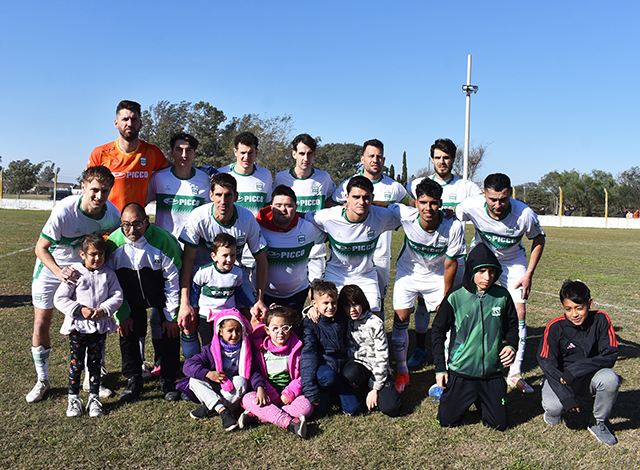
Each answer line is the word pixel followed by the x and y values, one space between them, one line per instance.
pixel 247 419
pixel 418 357
pixel 104 391
pixel 518 382
pixel 229 423
pixel 435 391
pixel 74 408
pixel 298 426
pixel 169 390
pixel 155 372
pixel 146 372
pixel 402 382
pixel 38 391
pixel 94 407
pixel 550 419
pixel 202 413
pixel 602 433
pixel 133 389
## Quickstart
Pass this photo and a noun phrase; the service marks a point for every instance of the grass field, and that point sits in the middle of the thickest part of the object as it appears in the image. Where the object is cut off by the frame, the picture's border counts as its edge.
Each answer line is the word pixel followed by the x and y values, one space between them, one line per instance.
pixel 152 433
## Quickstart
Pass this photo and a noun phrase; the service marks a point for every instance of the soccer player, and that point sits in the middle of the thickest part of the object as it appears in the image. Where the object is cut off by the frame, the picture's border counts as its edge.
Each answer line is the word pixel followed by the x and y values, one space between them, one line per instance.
pixel 57 248
pixel 500 223
pixel 385 191
pixel 426 266
pixel 290 240
pixel 131 160
pixel 202 226
pixel 313 189
pixel 354 231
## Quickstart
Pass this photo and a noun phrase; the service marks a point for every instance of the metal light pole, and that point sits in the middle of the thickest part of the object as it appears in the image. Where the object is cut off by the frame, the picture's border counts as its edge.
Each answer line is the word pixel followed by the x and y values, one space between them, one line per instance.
pixel 468 89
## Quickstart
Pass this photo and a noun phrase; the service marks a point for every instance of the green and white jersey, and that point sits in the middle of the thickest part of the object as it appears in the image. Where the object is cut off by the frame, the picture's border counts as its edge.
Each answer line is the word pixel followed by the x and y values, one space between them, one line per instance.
pixel 66 227
pixel 312 193
pixel 176 197
pixel 254 190
pixel 217 288
pixel 386 189
pixel 288 255
pixel 424 252
pixel 352 244
pixel 454 191
pixel 504 236
pixel 202 227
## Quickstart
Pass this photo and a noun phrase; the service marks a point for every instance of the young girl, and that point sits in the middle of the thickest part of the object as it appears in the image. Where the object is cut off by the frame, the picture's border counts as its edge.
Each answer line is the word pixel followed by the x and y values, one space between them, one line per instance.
pixel 88 306
pixel 278 395
pixel 219 375
pixel 368 367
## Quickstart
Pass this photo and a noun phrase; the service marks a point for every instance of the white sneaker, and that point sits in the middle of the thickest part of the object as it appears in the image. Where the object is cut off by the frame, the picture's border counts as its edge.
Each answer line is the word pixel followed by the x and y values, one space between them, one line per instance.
pixel 146 372
pixel 94 407
pixel 104 391
pixel 37 392
pixel 74 409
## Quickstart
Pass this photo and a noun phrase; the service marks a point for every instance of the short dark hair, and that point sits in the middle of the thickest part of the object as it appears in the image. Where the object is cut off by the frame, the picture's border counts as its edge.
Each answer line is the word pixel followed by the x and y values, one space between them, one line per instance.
pixel 430 188
pixel 324 288
pixel 352 295
pixel 374 143
pixel 575 291
pixel 282 190
pixel 245 138
pixel 100 173
pixel 130 105
pixel 95 240
pixel 497 181
pixel 360 182
pixel 223 240
pixel 307 140
pixel 289 314
pixel 186 137
pixel 224 180
pixel 139 208
pixel 445 145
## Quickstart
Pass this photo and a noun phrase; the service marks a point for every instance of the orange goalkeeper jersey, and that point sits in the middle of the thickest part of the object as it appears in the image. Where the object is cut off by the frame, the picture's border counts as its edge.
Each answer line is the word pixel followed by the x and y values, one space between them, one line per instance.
pixel 131 170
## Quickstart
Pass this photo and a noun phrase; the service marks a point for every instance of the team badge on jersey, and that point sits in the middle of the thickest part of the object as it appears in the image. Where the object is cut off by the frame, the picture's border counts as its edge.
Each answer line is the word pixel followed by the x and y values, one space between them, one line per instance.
pixel 194 190
pixel 387 195
pixel 510 231
pixel 301 239
pixel 167 188
pixel 371 234
pixel 143 161
pixel 315 189
pixel 241 239
pixel 157 260
pixel 259 185
pixel 495 311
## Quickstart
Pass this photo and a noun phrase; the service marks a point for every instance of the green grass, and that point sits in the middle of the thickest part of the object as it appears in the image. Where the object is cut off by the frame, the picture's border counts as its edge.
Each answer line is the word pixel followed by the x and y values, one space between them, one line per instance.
pixel 152 433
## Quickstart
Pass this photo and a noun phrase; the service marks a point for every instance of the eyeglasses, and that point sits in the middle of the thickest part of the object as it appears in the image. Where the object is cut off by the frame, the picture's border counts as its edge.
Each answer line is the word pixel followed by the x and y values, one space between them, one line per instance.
pixel 126 226
pixel 284 328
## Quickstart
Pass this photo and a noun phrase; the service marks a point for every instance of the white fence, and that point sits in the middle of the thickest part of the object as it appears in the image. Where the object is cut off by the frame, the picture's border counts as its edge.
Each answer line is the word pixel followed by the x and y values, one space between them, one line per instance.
pixel 45 205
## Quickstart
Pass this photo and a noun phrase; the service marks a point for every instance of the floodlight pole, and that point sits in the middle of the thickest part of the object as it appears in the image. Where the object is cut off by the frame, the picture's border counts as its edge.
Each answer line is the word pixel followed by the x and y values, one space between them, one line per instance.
pixel 468 89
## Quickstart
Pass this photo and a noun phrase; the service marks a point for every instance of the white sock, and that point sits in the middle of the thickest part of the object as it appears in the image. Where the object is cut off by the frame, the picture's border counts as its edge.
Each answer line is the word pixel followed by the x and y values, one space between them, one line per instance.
pixel 516 367
pixel 41 361
pixel 400 343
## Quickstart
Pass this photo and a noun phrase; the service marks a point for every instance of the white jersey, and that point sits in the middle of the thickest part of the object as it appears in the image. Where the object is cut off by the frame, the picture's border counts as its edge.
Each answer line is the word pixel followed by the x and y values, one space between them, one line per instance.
pixel 312 192
pixel 288 255
pixel 424 252
pixel 66 227
pixel 352 243
pixel 254 190
pixel 176 197
pixel 202 227
pixel 454 191
pixel 386 189
pixel 503 236
pixel 217 289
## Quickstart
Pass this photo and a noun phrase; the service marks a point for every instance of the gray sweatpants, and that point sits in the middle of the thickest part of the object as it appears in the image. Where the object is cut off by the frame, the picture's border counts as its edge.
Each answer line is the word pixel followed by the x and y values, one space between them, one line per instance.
pixel 215 400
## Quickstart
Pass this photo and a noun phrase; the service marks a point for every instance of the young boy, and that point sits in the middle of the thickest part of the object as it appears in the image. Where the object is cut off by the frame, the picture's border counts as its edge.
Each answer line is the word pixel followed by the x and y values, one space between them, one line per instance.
pixel 324 352
pixel 484 336
pixel 576 355
pixel 216 285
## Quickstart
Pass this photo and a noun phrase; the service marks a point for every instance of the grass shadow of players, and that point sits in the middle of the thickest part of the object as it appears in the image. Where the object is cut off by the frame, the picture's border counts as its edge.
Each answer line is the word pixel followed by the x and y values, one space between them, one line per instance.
pixel 14 301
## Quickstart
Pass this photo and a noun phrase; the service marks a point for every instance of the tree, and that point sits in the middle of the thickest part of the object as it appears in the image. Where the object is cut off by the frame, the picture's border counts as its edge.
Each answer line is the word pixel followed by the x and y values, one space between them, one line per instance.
pixel 340 160
pixel 162 121
pixel 21 176
pixel 403 176
pixel 628 194
pixel 476 154
pixel 392 172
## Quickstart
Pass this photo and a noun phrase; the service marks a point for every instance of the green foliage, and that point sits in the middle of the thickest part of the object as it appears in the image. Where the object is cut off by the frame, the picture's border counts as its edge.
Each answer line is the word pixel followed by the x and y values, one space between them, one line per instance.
pixel 403 177
pixel 392 172
pixel 340 160
pixel 21 175
pixel 47 174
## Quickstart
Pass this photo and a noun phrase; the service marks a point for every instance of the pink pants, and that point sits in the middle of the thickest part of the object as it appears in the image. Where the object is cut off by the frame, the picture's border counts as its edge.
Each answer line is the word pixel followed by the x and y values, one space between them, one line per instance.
pixel 280 416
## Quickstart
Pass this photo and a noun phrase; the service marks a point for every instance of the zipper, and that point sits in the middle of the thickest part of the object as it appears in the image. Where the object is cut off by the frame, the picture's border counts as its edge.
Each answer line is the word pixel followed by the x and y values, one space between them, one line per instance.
pixel 483 337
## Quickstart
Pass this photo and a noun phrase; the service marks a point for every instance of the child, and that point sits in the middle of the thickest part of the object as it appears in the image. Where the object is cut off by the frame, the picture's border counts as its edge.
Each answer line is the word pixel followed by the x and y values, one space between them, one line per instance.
pixel 219 375
pixel 215 287
pixel 481 318
pixel 278 395
pixel 88 305
pixel 576 354
pixel 324 352
pixel 368 366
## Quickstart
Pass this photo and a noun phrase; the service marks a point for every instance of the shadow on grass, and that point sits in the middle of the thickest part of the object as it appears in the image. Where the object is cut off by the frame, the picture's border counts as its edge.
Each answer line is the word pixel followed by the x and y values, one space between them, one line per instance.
pixel 628 349
pixel 14 301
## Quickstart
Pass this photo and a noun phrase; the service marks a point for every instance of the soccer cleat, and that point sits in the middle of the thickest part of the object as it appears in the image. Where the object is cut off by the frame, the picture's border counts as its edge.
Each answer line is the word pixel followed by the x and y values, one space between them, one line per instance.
pixel 202 413
pixel 247 419
pixel 602 433
pixel 155 372
pixel 133 389
pixel 38 391
pixel 435 391
pixel 74 408
pixel 229 423
pixel 402 382
pixel 94 407
pixel 146 372
pixel 418 358
pixel 169 390
pixel 518 382
pixel 550 419
pixel 298 426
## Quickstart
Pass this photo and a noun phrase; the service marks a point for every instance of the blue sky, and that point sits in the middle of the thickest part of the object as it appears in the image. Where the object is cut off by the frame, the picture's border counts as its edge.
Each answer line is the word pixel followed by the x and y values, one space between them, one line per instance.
pixel 557 80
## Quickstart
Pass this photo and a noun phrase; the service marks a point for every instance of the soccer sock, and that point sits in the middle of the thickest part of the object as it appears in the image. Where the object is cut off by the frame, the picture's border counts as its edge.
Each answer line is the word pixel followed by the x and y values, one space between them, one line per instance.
pixel 143 342
pixel 422 319
pixel 41 361
pixel 516 367
pixel 400 343
pixel 190 345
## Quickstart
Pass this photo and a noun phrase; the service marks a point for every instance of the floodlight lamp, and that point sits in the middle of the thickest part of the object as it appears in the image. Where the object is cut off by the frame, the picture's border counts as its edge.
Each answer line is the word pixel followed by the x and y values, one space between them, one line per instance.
pixel 468 89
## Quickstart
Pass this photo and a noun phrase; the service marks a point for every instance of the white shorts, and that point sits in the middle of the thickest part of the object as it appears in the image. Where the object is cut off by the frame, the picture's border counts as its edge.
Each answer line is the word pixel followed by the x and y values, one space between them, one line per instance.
pixel 511 274
pixel 383 267
pixel 43 288
pixel 315 269
pixel 369 287
pixel 407 288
